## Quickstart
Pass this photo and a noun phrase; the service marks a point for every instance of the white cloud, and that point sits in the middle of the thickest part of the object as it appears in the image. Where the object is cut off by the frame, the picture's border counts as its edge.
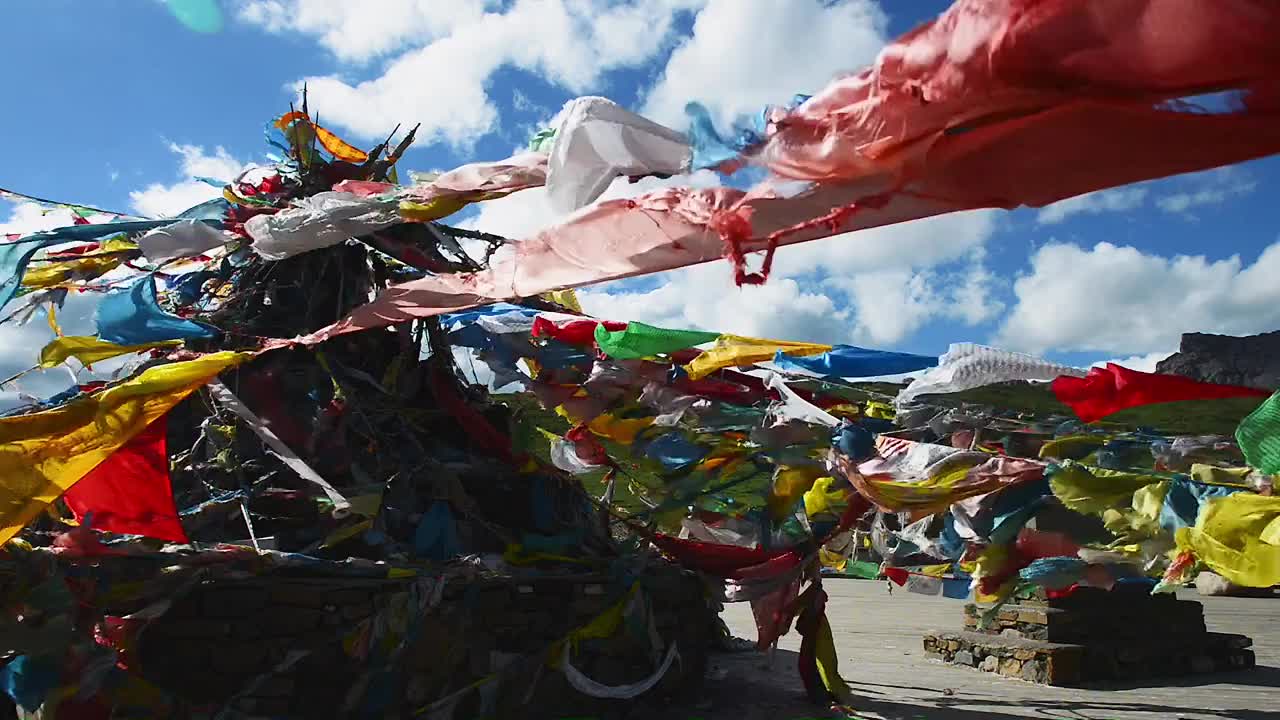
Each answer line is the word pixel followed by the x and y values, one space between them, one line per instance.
pixel 1212 187
pixel 892 304
pixel 160 200
pixel 921 243
pixel 704 296
pixel 744 54
pixel 741 55
pixel 195 163
pixel 443 84
pixel 880 308
pixel 360 31
pixel 1115 200
pixel 1122 300
pixel 28 217
pixel 1141 363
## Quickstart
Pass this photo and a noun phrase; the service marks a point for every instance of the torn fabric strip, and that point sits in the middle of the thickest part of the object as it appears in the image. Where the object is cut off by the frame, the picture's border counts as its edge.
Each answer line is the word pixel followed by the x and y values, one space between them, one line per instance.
pixel 224 396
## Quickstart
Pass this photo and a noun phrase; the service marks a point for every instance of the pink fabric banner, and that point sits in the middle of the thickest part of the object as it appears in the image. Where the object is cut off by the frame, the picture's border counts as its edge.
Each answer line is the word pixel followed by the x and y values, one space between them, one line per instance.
pixel 997 104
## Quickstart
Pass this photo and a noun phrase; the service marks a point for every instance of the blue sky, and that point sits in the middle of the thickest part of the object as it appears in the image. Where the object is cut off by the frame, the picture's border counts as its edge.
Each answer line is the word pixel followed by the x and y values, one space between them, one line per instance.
pixel 119 105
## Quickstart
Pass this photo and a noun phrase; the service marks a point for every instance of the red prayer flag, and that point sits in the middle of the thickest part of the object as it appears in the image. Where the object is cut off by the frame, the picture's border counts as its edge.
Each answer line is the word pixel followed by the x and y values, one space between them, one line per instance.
pixel 1109 390
pixel 729 561
pixel 897 575
pixel 129 493
pixel 581 333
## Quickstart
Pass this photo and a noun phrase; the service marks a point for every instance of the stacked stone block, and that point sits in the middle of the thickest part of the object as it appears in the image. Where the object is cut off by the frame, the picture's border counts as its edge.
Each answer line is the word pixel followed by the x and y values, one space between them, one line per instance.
pixel 1092 636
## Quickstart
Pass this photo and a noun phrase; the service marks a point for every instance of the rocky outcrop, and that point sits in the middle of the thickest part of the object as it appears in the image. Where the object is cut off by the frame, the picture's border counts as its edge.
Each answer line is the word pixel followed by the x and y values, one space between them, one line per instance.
pixel 1252 361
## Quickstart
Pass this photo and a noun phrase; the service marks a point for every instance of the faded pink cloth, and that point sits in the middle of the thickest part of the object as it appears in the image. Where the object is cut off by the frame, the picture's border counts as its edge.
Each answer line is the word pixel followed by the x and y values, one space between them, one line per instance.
pixel 1007 66
pixel 619 239
pixel 996 104
pixel 526 170
pixel 365 188
pixel 521 172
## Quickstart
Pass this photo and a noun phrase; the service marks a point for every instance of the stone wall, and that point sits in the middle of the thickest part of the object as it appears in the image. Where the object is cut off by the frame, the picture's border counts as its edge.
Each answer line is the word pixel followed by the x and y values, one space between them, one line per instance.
pixel 272 646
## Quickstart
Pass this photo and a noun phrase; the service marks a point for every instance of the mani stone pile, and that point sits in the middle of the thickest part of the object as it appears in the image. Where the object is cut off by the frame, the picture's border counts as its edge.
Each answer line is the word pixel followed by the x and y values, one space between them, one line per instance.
pixel 1091 636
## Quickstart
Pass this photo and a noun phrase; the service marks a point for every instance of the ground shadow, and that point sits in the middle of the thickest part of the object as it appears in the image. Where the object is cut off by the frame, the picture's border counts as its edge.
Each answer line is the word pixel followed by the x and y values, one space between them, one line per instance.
pixel 1260 676
pixel 745 686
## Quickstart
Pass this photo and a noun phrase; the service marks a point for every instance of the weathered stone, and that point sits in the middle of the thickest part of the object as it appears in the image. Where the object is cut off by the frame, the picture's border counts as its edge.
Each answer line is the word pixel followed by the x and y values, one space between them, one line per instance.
pixel 299 594
pixel 358 611
pixel 1010 633
pixel 1025 654
pixel 1038 616
pixel 1031 671
pixel 953 645
pixel 991 663
pixel 964 657
pixel 1064 666
pixel 195 629
pixel 274 686
pixel 349 597
pixel 234 602
pixel 1010 667
pixel 1129 654
pixel 290 621
pixel 238 658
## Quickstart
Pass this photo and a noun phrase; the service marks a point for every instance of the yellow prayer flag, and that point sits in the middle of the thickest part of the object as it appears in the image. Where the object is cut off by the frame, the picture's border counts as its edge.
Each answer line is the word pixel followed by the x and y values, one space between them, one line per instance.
pixel 431 210
pixel 738 351
pixel 564 298
pixel 45 453
pixel 879 410
pixel 1238 537
pixel 820 498
pixel 1092 491
pixel 53 320
pixel 339 148
pixel 619 430
pixel 789 485
pixel 109 257
pixel 89 350
pixel 1214 475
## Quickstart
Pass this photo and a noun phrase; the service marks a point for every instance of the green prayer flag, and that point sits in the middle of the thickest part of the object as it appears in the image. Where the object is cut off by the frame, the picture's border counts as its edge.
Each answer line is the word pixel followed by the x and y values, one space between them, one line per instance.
pixel 638 340
pixel 1259 436
pixel 862 569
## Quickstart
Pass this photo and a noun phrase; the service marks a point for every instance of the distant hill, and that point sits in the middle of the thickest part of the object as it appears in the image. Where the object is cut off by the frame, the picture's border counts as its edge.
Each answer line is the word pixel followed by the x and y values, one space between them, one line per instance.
pixel 1196 417
pixel 1252 361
